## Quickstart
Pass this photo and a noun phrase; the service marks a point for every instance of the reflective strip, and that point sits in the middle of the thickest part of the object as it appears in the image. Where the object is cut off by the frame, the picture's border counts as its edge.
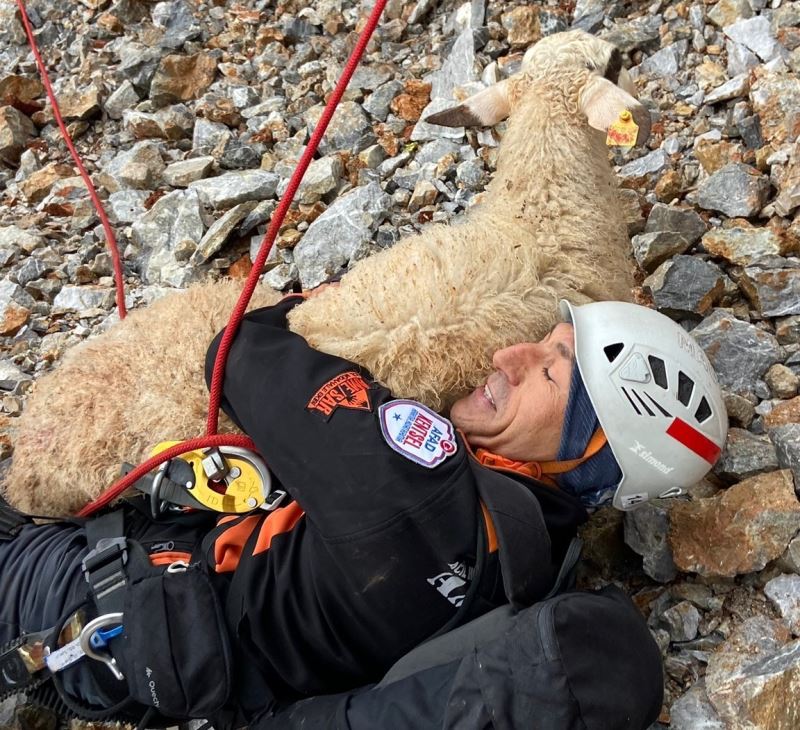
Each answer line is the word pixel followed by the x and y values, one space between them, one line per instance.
pixel 693 440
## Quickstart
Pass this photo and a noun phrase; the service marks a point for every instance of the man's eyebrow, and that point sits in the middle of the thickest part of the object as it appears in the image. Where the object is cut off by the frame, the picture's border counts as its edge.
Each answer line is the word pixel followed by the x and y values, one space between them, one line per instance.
pixel 565 352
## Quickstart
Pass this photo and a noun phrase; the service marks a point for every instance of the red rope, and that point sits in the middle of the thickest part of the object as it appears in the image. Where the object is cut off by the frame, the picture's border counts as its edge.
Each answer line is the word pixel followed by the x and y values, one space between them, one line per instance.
pixel 111 240
pixel 211 438
pixel 277 220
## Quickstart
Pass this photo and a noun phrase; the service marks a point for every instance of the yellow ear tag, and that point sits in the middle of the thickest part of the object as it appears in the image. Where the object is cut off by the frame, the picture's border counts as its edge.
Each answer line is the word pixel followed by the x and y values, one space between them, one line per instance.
pixel 623 132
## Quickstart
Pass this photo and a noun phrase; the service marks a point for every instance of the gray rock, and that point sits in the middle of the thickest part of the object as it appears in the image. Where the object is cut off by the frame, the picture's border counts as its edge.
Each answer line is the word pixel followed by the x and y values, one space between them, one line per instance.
pixel 787 446
pixel 243 96
pixel 726 12
pixel 637 33
pixel 183 173
pixel 10 375
pixel 123 98
pixel 322 177
pixel 739 352
pixel 11 30
pixel 377 103
pixel 685 221
pixel 458 69
pixel 588 15
pixel 239 155
pixel 127 205
pixel 13 237
pixel 745 455
pixel 686 284
pixel 216 236
pixel 755 34
pixel 260 214
pixel 341 234
pixel 681 621
pixel 139 167
pixel 773 292
pixel 80 298
pixel 665 63
pixel 16 130
pixel 138 65
pixel 210 138
pixel 651 164
pixel 281 277
pixel 652 249
pixel 469 173
pixel 784 592
pixel 32 269
pixel 370 76
pixel 236 187
pixel 740 59
pixel 174 122
pixel 786 330
pixel 437 149
pixel 177 21
pixel 646 531
pixel 349 131
pixel 173 220
pixel 12 293
pixel 733 89
pixel 694 711
pixel 735 190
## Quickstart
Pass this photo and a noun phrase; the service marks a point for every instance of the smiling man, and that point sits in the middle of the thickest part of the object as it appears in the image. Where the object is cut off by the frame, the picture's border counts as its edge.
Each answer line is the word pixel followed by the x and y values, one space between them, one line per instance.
pixel 401 522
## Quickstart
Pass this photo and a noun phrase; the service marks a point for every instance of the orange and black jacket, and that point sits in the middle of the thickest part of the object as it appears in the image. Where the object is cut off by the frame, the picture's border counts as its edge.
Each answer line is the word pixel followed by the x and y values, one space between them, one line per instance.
pixel 378 549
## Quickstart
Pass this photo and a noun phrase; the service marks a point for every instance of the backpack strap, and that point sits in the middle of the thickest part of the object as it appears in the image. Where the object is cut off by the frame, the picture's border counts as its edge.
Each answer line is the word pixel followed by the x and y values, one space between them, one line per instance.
pixel 565 579
pixel 104 566
pixel 11 521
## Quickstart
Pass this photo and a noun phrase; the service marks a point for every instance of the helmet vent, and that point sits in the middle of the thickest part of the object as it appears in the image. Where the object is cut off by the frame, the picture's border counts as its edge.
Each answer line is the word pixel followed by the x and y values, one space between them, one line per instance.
pixel 655 403
pixel 643 404
pixel 685 388
pixel 703 412
pixel 612 351
pixel 630 400
pixel 659 371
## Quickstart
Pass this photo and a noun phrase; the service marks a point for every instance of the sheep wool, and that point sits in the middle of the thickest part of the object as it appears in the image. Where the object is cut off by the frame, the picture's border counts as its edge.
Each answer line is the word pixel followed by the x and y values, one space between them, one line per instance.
pixel 424 316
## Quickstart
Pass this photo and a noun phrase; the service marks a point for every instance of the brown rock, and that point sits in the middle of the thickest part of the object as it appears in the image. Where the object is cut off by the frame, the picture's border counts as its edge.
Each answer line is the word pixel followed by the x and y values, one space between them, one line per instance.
pixel 710 74
pixel 669 186
pixel 39 184
pixel 410 105
pixel 21 92
pixel 16 130
pixel 76 103
pixel 240 268
pixel 776 99
pixel 13 319
pixel 745 244
pixel 181 78
pixel 219 110
pixel 783 413
pixel 110 22
pixel 523 26
pixel 714 156
pixel 737 531
pixel 782 381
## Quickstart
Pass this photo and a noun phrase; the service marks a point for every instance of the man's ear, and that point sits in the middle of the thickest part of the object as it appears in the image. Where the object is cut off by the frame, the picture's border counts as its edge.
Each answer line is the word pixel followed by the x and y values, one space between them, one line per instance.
pixel 602 101
pixel 484 109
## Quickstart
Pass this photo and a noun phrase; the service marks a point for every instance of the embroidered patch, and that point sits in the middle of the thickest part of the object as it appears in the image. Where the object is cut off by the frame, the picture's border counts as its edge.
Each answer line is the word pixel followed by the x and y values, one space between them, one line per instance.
pixel 417 433
pixel 348 390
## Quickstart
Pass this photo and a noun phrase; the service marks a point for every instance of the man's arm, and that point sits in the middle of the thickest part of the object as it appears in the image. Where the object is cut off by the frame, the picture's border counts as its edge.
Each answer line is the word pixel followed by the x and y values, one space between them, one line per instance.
pixel 315 419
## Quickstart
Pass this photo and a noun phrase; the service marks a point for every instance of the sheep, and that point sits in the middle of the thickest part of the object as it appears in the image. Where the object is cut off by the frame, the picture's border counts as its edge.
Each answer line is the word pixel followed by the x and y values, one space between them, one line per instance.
pixel 424 316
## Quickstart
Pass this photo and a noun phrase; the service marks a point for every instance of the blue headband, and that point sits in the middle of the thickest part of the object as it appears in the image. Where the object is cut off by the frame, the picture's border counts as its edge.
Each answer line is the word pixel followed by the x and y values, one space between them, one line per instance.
pixel 595 480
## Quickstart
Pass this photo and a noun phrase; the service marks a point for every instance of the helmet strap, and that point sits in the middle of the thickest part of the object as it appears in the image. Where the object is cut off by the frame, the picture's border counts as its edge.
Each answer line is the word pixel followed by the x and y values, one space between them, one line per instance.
pixel 543 470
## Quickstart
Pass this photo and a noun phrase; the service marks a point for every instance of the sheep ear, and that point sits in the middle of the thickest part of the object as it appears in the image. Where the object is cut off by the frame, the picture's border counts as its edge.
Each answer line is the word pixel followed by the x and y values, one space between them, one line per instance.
pixel 602 101
pixel 484 109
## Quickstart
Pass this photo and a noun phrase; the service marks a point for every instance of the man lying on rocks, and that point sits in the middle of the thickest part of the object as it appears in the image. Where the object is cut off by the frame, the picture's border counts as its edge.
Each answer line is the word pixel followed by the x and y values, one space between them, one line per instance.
pixel 400 525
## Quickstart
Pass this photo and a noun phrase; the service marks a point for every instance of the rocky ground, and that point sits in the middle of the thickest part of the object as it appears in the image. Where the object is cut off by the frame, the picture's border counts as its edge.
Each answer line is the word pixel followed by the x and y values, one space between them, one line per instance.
pixel 191 116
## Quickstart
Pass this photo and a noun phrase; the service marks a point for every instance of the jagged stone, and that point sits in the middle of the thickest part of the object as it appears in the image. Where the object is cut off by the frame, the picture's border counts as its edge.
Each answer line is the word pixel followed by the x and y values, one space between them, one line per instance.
pixel 737 531
pixel 236 187
pixel 726 12
pixel 745 245
pixel 646 530
pixel 694 711
pixel 123 98
pixel 784 592
pixel 736 190
pixel 349 130
pixel 79 298
pixel 773 292
pixel 684 221
pixel 181 78
pixel 666 62
pixel 651 164
pixel 16 130
pixel 782 381
pixel 36 187
pixel 183 173
pixel 126 206
pixel 756 34
pixel 686 284
pixel 653 249
pixel 776 100
pixel 753 680
pixel 783 413
pixel 739 352
pixel 681 621
pixel 323 177
pixel 216 236
pixel 522 25
pixel 629 35
pixel 745 455
pixel 139 168
pixel 787 446
pixel 173 123
pixel 341 234
pixel 78 103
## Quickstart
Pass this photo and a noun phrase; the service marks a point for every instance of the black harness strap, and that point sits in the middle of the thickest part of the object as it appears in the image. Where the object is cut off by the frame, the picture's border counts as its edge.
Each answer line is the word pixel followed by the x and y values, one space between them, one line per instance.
pixel 11 521
pixel 104 566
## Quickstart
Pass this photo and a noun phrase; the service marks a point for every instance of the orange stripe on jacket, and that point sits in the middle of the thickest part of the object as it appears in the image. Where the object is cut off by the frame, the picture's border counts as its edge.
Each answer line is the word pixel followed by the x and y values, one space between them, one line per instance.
pixel 281 520
pixel 491 533
pixel 168 558
pixel 229 546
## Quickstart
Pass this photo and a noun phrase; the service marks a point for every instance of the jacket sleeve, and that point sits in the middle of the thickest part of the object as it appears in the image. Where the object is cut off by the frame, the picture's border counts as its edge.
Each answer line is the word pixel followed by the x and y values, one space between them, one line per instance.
pixel 314 419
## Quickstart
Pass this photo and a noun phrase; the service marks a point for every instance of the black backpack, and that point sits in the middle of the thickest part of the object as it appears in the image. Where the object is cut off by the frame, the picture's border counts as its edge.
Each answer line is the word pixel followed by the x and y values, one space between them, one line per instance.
pixel 583 660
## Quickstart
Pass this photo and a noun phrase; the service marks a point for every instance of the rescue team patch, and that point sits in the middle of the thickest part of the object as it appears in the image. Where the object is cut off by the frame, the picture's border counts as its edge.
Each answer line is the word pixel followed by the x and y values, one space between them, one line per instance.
pixel 348 390
pixel 417 432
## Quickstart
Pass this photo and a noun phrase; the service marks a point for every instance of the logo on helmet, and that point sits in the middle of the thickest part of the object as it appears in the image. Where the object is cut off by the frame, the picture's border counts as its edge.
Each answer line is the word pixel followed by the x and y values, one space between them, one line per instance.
pixel 645 455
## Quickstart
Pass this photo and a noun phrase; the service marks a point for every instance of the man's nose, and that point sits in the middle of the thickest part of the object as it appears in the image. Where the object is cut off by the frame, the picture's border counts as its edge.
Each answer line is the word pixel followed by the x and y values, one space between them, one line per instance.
pixel 515 360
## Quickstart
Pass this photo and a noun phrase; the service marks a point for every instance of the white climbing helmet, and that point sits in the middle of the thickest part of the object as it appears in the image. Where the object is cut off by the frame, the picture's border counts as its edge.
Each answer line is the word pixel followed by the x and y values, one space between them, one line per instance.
pixel 655 394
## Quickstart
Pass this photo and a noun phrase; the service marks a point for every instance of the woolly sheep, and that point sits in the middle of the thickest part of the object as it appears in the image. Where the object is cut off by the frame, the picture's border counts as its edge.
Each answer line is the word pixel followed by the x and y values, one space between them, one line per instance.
pixel 424 316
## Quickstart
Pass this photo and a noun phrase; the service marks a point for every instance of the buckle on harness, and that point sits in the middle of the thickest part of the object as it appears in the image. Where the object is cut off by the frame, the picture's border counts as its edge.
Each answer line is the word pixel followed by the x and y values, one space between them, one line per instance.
pixel 104 570
pixel 108 550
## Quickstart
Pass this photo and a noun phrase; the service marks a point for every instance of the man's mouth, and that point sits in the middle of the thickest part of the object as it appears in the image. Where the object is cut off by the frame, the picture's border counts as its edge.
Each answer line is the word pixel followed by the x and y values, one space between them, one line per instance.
pixel 488 394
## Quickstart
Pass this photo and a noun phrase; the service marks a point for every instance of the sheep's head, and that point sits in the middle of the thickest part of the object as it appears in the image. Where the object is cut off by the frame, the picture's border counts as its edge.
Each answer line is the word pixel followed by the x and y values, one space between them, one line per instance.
pixel 586 70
